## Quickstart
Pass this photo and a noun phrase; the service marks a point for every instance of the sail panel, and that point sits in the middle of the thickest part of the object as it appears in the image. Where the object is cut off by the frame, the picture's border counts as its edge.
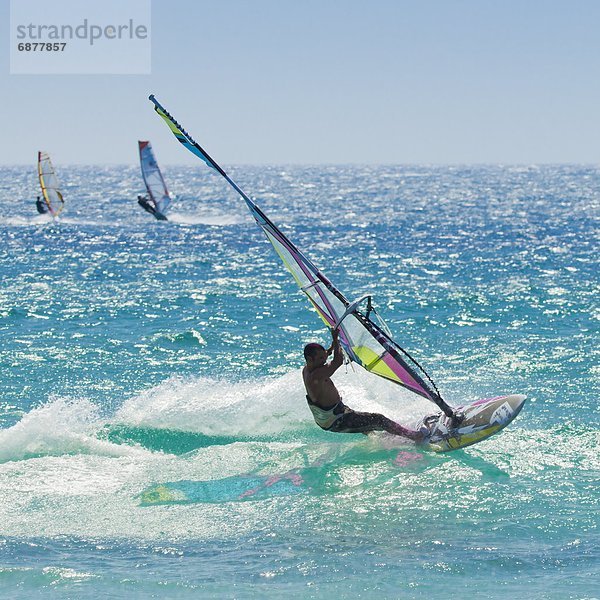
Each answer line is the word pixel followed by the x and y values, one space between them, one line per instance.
pixel 363 341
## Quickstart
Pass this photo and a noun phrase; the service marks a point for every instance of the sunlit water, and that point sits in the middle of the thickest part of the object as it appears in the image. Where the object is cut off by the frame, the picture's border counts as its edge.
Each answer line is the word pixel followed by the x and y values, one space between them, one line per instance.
pixel 155 440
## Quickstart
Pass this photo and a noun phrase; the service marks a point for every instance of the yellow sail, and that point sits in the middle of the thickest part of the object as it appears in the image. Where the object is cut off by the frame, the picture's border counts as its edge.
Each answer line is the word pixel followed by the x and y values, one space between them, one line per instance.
pixel 49 183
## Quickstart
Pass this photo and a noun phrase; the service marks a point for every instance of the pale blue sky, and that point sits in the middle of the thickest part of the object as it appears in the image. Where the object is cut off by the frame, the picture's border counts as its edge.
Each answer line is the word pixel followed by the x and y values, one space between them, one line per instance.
pixel 328 81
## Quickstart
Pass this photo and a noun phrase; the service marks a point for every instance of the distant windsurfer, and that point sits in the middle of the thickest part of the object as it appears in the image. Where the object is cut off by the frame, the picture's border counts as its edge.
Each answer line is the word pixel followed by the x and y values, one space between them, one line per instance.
pixel 325 402
pixel 149 205
pixel 41 206
pixel 146 204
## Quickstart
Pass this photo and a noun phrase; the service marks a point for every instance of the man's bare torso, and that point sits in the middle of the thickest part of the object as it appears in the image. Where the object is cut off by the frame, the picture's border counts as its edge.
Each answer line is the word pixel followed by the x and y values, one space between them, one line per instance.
pixel 320 389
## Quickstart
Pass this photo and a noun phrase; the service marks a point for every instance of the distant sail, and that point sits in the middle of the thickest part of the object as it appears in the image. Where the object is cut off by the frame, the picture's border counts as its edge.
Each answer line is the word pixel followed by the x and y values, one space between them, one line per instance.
pixel 366 341
pixel 52 196
pixel 158 195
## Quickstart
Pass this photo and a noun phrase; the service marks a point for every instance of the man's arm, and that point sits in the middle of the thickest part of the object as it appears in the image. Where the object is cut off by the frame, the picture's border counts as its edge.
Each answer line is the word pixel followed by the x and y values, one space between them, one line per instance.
pixel 338 357
pixel 337 361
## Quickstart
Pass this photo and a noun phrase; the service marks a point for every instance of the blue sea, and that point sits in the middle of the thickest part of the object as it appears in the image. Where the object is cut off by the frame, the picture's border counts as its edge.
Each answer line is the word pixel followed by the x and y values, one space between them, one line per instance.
pixel 154 437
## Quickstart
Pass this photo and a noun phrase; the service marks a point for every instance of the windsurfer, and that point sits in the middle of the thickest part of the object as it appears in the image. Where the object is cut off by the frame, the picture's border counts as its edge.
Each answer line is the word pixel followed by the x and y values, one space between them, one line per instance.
pixel 146 204
pixel 325 402
pixel 149 205
pixel 41 206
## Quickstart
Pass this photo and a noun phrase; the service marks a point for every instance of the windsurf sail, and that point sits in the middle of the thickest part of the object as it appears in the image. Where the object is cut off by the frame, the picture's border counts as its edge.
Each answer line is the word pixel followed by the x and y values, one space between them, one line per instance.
pixel 155 183
pixel 364 337
pixel 52 196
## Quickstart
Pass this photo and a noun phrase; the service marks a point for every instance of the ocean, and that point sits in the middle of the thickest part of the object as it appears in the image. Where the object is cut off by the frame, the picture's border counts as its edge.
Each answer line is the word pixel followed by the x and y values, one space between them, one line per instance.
pixel 155 441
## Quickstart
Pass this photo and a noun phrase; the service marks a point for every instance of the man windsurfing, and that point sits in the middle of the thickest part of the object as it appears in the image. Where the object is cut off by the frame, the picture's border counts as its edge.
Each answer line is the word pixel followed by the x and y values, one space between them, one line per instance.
pixel 325 402
pixel 150 206
pixel 41 206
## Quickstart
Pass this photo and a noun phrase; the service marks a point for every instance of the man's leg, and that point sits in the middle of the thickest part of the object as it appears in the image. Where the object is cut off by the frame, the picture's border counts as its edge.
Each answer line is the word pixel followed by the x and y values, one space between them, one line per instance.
pixel 358 422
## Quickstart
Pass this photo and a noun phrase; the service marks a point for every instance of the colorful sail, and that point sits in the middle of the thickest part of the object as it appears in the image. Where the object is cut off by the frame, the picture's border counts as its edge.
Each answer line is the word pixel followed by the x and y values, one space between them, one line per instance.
pixel 52 196
pixel 155 183
pixel 364 338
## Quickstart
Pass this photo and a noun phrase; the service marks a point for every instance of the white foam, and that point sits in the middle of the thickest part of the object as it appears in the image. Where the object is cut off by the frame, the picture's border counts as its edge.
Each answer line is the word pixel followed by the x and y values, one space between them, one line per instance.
pixel 207 219
pixel 62 426
pixel 37 220
pixel 34 221
pixel 260 406
pixel 219 407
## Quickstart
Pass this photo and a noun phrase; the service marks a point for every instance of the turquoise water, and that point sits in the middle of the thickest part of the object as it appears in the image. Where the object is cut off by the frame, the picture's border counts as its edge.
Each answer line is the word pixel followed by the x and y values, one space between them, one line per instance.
pixel 154 437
